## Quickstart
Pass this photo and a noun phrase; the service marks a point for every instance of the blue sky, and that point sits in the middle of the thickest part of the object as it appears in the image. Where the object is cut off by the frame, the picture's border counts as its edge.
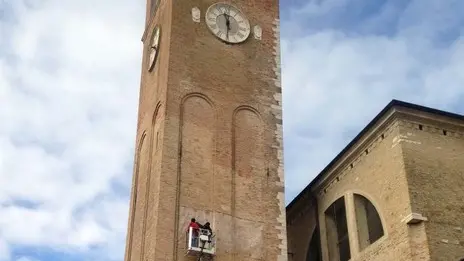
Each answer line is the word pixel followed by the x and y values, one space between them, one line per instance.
pixel 69 83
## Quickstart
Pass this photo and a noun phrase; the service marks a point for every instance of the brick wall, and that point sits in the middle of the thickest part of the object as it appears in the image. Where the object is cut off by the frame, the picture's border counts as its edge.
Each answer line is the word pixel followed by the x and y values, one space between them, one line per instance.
pixel 434 157
pixel 379 176
pixel 411 168
pixel 301 224
pixel 219 136
pixel 373 168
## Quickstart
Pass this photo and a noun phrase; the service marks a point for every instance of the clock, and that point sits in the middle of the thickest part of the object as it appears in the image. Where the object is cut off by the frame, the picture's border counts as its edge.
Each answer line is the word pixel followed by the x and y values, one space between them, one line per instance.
pixel 227 23
pixel 154 48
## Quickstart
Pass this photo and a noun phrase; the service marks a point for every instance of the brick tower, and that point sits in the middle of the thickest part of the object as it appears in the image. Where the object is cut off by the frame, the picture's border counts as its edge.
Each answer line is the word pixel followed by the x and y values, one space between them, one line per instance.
pixel 209 132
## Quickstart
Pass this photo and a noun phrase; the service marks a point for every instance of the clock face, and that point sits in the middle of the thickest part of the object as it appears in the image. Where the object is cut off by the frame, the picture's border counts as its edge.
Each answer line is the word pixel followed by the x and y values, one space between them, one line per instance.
pixel 154 48
pixel 227 23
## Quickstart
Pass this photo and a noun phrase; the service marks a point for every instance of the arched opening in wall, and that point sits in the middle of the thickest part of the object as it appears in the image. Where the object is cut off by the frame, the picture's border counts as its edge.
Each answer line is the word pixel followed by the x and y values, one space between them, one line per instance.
pixel 368 222
pixel 314 250
pixel 337 231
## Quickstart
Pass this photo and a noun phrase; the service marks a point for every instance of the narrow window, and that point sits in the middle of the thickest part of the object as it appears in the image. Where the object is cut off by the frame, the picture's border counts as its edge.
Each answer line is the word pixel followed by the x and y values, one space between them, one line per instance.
pixel 368 221
pixel 337 231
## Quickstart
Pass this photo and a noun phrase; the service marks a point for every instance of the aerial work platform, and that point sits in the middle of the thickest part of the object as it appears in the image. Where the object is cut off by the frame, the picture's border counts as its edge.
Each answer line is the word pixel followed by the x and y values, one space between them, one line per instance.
pixel 200 242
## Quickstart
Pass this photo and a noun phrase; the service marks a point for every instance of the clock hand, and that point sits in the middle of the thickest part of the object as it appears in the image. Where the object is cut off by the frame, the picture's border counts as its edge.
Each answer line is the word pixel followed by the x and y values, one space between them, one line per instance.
pixel 227 24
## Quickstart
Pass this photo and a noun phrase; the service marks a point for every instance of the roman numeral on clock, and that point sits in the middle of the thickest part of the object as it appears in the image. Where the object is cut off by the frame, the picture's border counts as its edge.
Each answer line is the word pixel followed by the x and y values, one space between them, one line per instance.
pixel 220 34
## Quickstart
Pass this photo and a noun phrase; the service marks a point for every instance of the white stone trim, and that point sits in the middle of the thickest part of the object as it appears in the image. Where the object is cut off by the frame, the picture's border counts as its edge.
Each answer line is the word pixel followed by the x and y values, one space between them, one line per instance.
pixel 277 112
pixel 414 218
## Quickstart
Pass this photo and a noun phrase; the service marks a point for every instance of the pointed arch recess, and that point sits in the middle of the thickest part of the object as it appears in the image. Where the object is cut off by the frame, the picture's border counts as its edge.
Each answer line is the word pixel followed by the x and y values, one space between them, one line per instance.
pixel 151 192
pixel 197 146
pixel 248 162
pixel 134 228
pixel 249 172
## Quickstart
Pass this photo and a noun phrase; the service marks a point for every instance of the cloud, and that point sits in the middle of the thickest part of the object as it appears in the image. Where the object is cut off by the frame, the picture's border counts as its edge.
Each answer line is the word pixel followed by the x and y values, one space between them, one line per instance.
pixel 69 82
pixel 4 250
pixel 338 78
pixel 69 74
pixel 23 258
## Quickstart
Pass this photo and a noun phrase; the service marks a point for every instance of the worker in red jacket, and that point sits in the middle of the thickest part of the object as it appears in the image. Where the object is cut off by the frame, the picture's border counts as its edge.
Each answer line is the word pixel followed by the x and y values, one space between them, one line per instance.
pixel 195 228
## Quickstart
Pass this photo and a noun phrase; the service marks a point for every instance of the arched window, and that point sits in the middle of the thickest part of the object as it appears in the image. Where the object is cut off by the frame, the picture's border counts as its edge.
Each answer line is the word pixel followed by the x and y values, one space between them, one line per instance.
pixel 368 221
pixel 337 231
pixel 314 251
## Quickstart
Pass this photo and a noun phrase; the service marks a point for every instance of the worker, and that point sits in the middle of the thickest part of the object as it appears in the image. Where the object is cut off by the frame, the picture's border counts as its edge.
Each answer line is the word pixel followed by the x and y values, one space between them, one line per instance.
pixel 195 228
pixel 207 226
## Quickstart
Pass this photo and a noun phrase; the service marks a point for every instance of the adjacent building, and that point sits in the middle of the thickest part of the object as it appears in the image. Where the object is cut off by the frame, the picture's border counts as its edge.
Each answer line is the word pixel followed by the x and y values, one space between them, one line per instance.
pixel 396 192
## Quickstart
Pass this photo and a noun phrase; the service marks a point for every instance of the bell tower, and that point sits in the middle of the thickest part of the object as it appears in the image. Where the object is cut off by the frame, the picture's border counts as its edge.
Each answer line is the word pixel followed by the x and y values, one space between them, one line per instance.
pixel 209 133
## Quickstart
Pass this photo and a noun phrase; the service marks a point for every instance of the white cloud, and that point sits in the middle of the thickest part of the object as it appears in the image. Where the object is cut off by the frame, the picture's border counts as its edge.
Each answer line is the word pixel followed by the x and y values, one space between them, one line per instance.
pixel 4 250
pixel 24 258
pixel 337 82
pixel 69 79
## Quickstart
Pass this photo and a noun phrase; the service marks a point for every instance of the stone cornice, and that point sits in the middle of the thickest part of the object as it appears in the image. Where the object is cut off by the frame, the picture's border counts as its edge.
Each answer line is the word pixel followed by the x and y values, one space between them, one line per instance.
pixel 364 146
pixel 433 123
pixel 403 117
pixel 395 114
pixel 399 117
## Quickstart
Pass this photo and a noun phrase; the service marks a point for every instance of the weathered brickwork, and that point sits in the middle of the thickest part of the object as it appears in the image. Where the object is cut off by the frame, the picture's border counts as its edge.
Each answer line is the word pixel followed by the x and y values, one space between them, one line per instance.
pixel 301 224
pixel 212 147
pixel 434 159
pixel 409 165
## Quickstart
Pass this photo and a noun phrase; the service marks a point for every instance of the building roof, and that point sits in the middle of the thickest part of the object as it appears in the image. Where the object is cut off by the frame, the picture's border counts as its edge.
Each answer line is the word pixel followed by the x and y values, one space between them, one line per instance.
pixel 394 104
